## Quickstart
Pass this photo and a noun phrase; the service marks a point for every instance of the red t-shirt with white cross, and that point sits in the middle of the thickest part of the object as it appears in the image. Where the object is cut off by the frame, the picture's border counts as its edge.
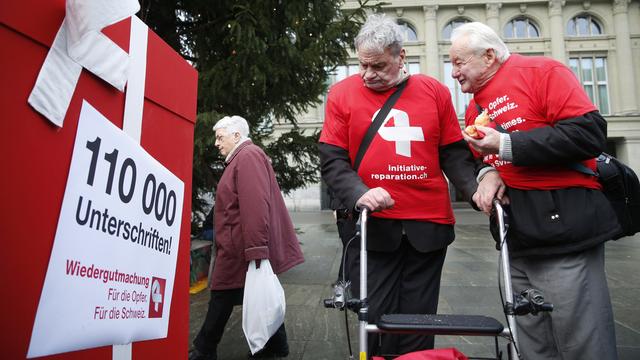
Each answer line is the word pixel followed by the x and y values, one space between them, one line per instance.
pixel 527 93
pixel 403 157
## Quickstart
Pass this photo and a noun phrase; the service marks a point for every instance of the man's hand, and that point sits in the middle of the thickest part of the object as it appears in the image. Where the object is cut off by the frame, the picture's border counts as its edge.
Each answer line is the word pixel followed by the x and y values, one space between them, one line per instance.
pixel 490 187
pixel 375 199
pixel 489 144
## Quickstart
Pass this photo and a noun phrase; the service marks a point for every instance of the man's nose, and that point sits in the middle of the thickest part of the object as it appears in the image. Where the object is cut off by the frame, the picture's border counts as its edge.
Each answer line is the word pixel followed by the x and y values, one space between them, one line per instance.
pixel 368 74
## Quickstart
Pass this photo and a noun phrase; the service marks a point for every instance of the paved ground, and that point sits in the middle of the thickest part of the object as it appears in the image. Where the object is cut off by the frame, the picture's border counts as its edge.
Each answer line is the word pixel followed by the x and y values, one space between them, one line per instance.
pixel 469 286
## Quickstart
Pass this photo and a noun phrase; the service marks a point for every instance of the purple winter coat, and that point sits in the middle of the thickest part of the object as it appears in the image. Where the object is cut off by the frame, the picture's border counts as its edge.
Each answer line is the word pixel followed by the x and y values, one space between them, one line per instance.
pixel 251 220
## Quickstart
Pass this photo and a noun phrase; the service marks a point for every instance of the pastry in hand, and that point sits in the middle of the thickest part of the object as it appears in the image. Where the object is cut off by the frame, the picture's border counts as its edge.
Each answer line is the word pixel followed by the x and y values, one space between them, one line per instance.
pixel 471 131
pixel 481 120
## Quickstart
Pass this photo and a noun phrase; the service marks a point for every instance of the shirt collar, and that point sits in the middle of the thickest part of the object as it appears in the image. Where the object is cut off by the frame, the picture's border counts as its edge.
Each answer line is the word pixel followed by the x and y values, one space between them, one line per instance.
pixel 235 149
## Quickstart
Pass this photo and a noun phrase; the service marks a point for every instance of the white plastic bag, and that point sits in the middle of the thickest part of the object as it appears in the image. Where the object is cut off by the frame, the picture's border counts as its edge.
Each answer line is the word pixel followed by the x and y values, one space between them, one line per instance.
pixel 263 305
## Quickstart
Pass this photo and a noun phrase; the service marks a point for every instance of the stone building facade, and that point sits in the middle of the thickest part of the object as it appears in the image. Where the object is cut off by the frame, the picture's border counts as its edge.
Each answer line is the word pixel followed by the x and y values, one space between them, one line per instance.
pixel 599 40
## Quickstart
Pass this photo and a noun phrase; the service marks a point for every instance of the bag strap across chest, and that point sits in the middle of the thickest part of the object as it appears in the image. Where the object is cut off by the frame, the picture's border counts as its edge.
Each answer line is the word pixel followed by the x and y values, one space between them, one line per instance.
pixel 377 122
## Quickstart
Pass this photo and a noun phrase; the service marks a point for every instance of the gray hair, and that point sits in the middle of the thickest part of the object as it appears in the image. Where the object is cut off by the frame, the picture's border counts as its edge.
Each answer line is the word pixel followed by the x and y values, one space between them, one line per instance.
pixel 480 37
pixel 378 33
pixel 233 124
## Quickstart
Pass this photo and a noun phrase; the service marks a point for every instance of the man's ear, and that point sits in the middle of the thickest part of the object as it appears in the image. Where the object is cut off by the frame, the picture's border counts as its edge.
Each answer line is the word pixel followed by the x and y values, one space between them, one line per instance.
pixel 402 57
pixel 490 56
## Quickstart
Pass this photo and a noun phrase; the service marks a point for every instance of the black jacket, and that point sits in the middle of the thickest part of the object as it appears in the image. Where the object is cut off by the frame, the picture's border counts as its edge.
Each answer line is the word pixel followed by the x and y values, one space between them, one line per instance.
pixel 564 220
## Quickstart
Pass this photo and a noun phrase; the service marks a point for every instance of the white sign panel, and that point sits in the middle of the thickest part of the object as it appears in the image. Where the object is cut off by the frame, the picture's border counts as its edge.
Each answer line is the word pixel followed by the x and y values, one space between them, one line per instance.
pixel 112 266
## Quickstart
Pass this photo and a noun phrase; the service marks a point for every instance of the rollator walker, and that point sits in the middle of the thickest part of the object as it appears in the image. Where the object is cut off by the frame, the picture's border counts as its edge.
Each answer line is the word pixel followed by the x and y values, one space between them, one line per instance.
pixel 529 301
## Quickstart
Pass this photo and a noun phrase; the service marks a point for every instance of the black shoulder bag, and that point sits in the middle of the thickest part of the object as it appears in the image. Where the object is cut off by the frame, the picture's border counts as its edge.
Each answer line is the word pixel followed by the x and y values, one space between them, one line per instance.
pixel 621 187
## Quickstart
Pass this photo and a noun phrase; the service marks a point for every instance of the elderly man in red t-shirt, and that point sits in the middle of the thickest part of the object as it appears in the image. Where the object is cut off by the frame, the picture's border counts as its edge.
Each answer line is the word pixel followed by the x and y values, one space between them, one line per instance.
pixel 544 128
pixel 400 178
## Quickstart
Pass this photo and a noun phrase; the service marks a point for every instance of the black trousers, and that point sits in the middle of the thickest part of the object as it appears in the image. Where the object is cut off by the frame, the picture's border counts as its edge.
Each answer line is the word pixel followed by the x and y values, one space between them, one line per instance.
pixel 404 281
pixel 220 307
pixel 346 230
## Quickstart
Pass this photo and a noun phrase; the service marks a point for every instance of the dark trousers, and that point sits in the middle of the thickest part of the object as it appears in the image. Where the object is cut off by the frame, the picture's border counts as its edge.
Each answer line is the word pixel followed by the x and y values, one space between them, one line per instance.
pixel 220 307
pixel 346 230
pixel 404 281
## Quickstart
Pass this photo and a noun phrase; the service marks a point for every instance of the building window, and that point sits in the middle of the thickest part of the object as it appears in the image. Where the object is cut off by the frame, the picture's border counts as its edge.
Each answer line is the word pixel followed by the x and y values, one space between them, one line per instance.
pixel 413 67
pixel 521 28
pixel 592 73
pixel 344 71
pixel 446 32
pixel 408 32
pixel 339 73
pixel 460 99
pixel 583 25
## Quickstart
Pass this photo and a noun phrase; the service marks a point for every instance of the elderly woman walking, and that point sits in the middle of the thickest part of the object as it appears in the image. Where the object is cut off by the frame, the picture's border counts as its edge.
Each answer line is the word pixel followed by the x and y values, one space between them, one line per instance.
pixel 251 223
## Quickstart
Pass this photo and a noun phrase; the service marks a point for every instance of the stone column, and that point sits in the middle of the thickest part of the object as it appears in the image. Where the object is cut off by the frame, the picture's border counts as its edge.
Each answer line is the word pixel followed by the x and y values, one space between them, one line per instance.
pixel 493 17
pixel 556 27
pixel 628 151
pixel 431 36
pixel 626 85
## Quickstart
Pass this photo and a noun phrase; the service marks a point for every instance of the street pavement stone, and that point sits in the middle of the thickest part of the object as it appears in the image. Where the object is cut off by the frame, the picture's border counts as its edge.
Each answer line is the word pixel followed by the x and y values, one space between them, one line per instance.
pixel 469 286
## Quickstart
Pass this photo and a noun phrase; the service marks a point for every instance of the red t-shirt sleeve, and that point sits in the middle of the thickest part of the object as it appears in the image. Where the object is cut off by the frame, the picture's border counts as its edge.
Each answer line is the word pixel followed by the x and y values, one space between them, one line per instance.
pixel 562 95
pixel 471 113
pixel 335 130
pixel 469 118
pixel 449 126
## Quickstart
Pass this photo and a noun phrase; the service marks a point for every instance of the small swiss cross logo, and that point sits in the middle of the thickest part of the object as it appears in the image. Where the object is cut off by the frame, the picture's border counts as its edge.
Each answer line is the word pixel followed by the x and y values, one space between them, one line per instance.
pixel 156 297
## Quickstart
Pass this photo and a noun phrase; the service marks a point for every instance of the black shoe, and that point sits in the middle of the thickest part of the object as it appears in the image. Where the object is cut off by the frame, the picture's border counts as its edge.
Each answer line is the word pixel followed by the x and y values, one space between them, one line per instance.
pixel 195 354
pixel 269 354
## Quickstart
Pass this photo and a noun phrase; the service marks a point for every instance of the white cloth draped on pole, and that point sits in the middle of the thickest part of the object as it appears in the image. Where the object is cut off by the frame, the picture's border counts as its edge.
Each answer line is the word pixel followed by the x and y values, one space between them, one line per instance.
pixel 80 44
